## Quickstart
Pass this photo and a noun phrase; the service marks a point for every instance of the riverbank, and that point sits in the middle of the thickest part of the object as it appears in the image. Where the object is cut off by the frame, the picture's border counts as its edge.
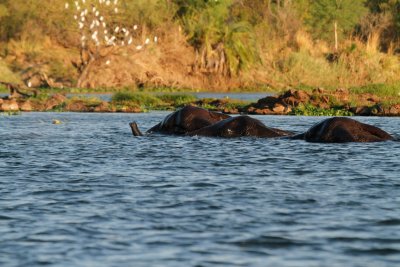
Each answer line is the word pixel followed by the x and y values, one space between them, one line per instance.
pixel 316 102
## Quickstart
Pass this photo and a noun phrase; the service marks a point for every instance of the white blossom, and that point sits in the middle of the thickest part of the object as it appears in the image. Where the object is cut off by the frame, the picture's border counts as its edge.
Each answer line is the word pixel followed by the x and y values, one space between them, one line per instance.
pixel 93 34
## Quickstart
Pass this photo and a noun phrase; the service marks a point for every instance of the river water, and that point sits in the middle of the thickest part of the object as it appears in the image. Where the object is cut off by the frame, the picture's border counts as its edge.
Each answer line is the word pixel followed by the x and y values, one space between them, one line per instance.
pixel 87 193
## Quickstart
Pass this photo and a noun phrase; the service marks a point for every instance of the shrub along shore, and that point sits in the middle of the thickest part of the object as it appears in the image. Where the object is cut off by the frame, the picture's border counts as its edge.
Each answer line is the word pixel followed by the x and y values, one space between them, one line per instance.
pixel 216 45
pixel 311 102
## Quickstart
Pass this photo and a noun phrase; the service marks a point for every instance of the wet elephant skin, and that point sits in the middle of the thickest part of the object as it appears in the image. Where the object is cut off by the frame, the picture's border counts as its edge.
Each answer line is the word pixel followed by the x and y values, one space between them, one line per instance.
pixel 239 126
pixel 186 120
pixel 341 130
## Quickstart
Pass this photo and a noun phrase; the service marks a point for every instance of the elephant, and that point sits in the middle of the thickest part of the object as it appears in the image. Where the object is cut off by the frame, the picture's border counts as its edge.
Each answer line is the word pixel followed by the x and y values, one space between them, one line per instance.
pixel 342 130
pixel 182 121
pixel 239 126
pixel 194 121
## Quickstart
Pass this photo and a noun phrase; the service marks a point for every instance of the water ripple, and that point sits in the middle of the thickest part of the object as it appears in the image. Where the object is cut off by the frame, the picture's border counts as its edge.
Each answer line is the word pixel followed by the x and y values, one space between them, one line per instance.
pixel 87 193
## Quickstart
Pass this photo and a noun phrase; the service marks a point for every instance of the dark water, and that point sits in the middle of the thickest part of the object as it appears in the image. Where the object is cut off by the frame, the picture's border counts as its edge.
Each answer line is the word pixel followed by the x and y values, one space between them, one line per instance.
pixel 87 193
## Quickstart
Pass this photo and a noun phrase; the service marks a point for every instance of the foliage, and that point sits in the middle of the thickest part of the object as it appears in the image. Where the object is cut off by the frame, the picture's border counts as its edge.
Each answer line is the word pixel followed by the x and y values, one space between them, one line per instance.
pixel 177 100
pixel 324 13
pixel 128 96
pixel 145 100
pixel 10 113
pixel 270 44
pixel 224 45
pixel 383 90
pixel 6 75
pixel 310 110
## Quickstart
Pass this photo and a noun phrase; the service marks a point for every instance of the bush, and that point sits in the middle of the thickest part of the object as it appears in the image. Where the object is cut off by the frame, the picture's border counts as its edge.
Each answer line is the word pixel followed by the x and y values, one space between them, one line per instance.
pixel 142 99
pixel 6 75
pixel 177 100
pixel 389 90
pixel 310 110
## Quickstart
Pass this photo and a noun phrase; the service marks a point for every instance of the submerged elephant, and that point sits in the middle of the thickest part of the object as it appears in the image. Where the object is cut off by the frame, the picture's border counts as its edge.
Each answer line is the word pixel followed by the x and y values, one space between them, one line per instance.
pixel 182 121
pixel 341 130
pixel 197 121
pixel 194 121
pixel 239 126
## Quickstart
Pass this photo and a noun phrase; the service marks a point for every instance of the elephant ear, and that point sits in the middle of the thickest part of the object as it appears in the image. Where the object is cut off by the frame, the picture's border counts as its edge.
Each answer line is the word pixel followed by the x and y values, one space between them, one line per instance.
pixel 216 116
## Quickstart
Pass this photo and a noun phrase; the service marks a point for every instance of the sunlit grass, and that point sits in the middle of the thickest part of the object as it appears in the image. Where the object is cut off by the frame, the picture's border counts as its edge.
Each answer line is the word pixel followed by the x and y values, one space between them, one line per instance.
pixel 383 90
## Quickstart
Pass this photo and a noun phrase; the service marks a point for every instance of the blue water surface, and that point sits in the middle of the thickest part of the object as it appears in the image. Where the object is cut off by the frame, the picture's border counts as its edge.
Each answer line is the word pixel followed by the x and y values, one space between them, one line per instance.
pixel 88 193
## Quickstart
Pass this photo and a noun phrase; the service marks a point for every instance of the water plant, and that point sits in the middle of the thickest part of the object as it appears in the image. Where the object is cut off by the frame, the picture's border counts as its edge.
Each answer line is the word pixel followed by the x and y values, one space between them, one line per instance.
pixel 310 110
pixel 10 113
pixel 144 100
pixel 177 100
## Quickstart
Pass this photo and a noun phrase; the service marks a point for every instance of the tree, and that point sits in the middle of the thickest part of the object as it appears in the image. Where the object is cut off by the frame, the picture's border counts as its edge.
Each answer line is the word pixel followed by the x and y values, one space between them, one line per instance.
pixel 330 18
pixel 384 18
pixel 102 32
pixel 224 40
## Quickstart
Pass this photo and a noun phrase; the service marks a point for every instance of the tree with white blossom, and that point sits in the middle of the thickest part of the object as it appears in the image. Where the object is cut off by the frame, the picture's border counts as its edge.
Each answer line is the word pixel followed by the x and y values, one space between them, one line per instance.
pixel 101 32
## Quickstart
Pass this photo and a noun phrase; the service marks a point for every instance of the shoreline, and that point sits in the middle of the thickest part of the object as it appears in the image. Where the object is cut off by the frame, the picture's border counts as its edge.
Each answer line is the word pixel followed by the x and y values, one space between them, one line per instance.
pixel 318 102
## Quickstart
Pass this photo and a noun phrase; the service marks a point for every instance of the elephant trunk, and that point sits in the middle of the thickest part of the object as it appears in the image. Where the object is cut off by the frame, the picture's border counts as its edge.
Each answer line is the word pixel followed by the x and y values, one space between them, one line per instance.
pixel 135 129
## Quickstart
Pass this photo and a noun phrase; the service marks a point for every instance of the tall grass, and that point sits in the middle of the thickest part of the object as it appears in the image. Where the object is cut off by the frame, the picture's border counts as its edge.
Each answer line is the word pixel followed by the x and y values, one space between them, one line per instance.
pixel 383 90
pixel 6 75
pixel 248 43
pixel 152 101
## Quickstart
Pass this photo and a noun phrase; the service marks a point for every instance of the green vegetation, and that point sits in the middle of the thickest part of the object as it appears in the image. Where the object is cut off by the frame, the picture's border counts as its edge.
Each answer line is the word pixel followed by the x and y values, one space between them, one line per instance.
pixel 209 45
pixel 330 18
pixel 152 101
pixel 310 110
pixel 177 100
pixel 382 90
pixel 10 113
pixel 230 105
pixel 6 75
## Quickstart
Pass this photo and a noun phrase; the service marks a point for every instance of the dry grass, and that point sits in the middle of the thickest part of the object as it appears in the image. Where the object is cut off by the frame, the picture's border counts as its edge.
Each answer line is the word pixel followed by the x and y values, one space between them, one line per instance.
pixel 6 75
pixel 289 57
